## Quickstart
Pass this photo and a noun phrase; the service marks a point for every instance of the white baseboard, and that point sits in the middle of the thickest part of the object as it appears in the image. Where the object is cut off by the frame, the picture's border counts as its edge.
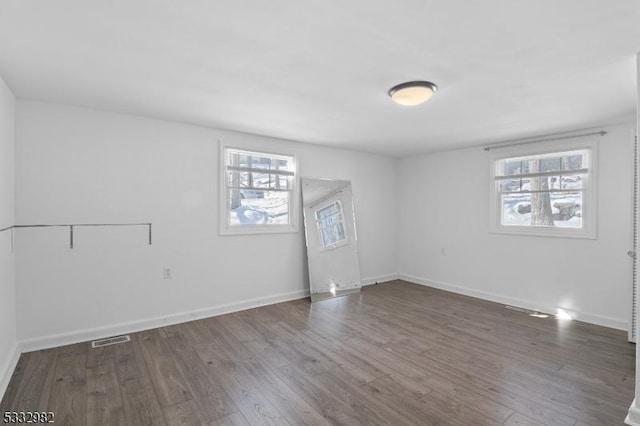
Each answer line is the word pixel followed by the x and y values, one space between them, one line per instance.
pixel 6 370
pixel 616 323
pixel 79 336
pixel 379 279
pixel 633 418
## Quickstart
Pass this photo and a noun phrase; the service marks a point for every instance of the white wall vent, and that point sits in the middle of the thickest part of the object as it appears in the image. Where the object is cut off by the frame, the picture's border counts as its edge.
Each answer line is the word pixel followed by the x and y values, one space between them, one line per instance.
pixel 110 341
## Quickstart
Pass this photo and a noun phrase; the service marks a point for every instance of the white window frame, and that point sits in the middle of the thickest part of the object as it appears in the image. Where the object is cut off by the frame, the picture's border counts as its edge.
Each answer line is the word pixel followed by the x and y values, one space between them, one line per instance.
pixel 589 194
pixel 322 206
pixel 224 213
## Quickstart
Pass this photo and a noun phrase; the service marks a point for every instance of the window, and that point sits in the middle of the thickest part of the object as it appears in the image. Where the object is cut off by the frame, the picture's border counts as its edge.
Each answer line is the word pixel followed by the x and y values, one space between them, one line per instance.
pixel 330 221
pixel 548 193
pixel 257 192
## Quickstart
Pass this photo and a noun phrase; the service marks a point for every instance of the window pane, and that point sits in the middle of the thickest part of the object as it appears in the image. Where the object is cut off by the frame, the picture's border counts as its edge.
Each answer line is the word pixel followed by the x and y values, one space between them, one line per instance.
pixel 332 234
pixel 279 164
pixel 233 178
pixel 515 167
pixel 572 160
pixel 516 210
pixel 285 182
pixel 541 183
pixel 244 160
pixel 560 209
pixel 234 159
pixel 571 182
pixel 278 182
pixel 244 179
pixel 333 219
pixel 567 209
pixel 261 162
pixel 260 180
pixel 515 185
pixel 255 207
pixel 329 210
pixel 561 162
pixel 234 198
pixel 563 182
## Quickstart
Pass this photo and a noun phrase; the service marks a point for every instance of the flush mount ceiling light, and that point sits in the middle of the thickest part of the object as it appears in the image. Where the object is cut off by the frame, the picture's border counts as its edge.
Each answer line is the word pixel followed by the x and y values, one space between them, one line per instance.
pixel 412 93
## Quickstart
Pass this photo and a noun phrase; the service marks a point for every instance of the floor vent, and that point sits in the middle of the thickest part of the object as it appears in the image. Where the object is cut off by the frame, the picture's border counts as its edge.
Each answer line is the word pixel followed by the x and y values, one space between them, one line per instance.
pixel 523 310
pixel 110 341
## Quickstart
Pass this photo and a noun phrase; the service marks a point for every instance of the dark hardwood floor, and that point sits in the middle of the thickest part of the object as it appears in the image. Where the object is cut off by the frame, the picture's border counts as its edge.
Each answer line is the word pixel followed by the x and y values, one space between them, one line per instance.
pixel 396 354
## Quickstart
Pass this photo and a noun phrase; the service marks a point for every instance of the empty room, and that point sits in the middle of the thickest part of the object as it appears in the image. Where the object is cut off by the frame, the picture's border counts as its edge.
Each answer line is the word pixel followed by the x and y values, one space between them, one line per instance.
pixel 291 213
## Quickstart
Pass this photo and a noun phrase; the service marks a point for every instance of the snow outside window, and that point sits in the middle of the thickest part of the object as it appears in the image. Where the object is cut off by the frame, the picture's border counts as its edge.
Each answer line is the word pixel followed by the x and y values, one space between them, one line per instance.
pixel 330 221
pixel 545 193
pixel 258 192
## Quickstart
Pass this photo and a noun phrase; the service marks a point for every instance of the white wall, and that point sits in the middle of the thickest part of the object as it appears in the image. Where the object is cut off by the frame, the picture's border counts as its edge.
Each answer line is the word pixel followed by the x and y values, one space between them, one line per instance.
pixel 77 165
pixel 445 206
pixel 7 206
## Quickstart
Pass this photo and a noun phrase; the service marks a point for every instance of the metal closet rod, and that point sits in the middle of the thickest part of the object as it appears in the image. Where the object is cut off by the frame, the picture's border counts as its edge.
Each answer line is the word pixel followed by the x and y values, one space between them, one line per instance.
pixel 71 226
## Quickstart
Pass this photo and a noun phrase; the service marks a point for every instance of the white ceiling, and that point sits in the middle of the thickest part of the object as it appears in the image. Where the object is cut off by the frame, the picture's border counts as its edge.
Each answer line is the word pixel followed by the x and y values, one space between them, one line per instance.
pixel 318 71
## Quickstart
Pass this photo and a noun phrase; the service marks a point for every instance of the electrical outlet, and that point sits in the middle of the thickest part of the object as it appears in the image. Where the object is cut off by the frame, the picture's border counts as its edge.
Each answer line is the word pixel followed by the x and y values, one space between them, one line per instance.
pixel 167 273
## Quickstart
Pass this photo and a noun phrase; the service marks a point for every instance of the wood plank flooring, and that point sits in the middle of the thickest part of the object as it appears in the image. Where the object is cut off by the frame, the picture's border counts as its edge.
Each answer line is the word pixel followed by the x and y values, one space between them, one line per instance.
pixel 396 354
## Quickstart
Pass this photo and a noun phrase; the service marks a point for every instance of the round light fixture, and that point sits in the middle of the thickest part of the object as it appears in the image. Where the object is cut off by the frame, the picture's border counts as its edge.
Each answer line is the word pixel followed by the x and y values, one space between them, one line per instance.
pixel 413 92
